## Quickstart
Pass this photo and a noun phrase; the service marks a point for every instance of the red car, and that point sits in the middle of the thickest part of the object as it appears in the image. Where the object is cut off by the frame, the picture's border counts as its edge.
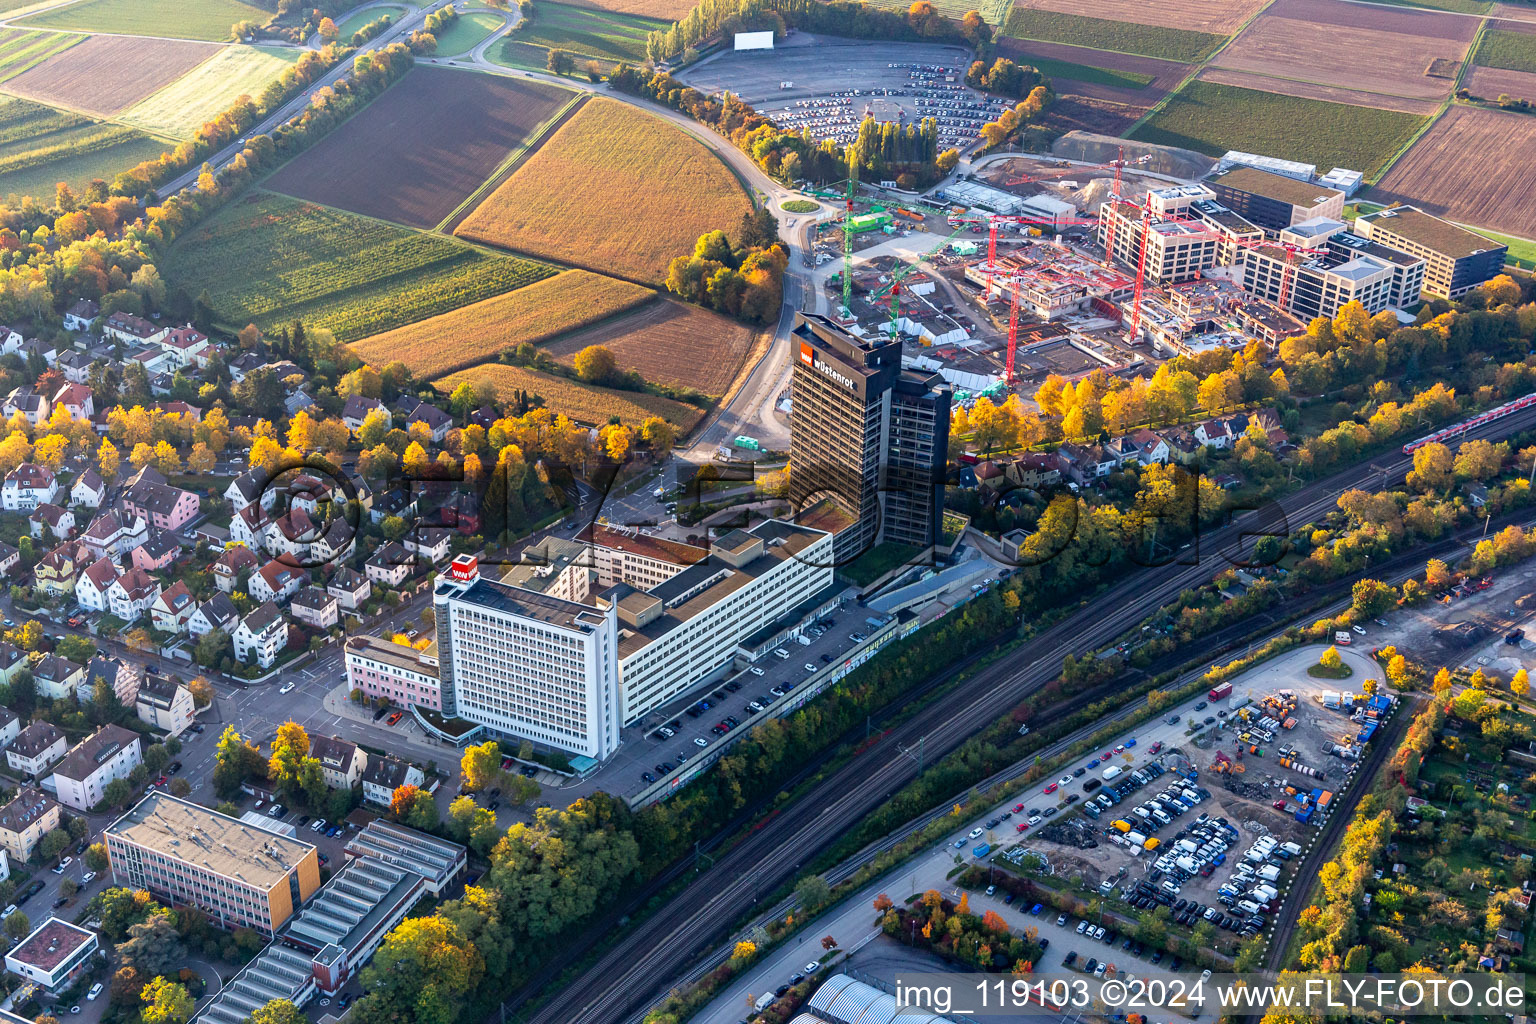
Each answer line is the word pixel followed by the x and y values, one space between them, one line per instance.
pixel 1022 826
pixel 1050 789
pixel 1018 807
pixel 1279 805
pixel 1154 748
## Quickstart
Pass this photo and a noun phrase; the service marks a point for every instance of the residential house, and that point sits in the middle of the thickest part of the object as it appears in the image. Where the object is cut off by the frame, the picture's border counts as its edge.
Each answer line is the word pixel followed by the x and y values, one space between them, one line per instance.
pixel 186 346
pixel 88 490
pixel 94 583
pixel 114 533
pixel 28 486
pixel 158 552
pixel 1214 434
pixel 350 588
pixel 1086 463
pixel 55 573
pixel 132 595
pixel 991 475
pixel 277 582
pixel 12 661
pixel 250 487
pixel 292 535
pixel 261 636
pixel 75 366
pixel 358 409
pixel 10 558
pixel 242 365
pixel 216 613
pixel 229 566
pixel 390 565
pixel 1150 448
pixel 337 544
pixel 341 763
pixel 1183 447
pixel 26 401
pixel 314 607
pixel 1034 470
pixel 131 330
pixel 384 775
pixel 10 340
pixel 27 818
pixel 165 703
pixel 172 608
pixel 462 513
pixel 122 676
pixel 169 508
pixel 433 418
pixel 430 544
pixel 1477 494
pixel 79 316
pixel 393 503
pixel 50 520
pixel 56 678
pixel 78 399
pixel 10 726
pixel 250 527
pixel 1123 450
pixel 108 754
pixel 33 752
pixel 44 350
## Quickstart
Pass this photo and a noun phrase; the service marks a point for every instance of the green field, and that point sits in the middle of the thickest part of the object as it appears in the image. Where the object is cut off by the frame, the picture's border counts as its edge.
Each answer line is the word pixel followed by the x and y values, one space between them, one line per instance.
pixel 1123 36
pixel 177 19
pixel 992 10
pixel 588 33
pixel 1522 251
pixel 1088 73
pixel 1211 119
pixel 1513 51
pixel 41 146
pixel 182 107
pixel 21 49
pixel 269 259
pixel 467 32
pixel 357 21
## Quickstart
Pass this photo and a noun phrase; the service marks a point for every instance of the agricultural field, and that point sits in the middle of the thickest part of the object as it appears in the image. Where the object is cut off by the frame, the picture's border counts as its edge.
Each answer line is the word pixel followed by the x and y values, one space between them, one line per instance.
pixel 585 403
pixel 995 11
pixel 669 343
pixel 666 10
pixel 1507 48
pixel 463 127
pixel 1120 36
pixel 175 19
pixel 1457 6
pixel 350 25
pixel 468 31
pixel 480 332
pixel 1492 191
pixel 1299 41
pixel 182 107
pixel 21 49
pixel 589 33
pixel 41 146
pixel 1211 118
pixel 269 259
pixel 615 190
pixel 1491 83
pixel 108 74
pixel 1099 74
pixel 1314 91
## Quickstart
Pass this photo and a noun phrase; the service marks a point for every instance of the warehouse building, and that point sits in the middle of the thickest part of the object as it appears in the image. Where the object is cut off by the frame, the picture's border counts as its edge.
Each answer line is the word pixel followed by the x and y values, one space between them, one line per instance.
pixel 1457 260
pixel 1273 201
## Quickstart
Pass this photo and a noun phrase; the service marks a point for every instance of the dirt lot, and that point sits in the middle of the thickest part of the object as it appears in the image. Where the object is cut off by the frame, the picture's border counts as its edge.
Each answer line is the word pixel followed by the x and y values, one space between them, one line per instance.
pixel 461 127
pixel 1084 114
pixel 1437 175
pixel 1166 74
pixel 1490 83
pixel 1300 41
pixel 1221 17
pixel 106 74
pixel 1309 90
pixel 668 343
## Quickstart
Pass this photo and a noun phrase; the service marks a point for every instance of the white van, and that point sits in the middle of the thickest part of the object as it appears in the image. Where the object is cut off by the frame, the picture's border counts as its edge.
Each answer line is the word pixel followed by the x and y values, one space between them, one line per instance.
pixel 802 641
pixel 1110 772
pixel 765 1000
pixel 1291 848
pixel 1248 906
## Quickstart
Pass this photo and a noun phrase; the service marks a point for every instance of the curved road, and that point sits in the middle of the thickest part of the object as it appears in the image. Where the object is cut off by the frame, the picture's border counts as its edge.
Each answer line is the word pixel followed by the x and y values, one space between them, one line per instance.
pixel 640 967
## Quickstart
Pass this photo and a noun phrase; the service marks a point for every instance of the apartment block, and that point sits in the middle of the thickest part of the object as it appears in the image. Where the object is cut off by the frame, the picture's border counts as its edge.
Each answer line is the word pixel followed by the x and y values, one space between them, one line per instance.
pixel 385 670
pixel 109 753
pixel 24 821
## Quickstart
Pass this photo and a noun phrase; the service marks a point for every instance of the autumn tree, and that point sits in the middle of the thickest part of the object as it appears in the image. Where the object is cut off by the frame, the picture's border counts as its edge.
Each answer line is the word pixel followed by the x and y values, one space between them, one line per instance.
pixel 166 1002
pixel 1331 659
pixel 481 766
pixel 595 364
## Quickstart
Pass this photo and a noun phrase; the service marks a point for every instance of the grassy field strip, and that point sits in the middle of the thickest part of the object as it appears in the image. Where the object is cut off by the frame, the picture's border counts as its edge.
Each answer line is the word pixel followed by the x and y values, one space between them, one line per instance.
pixel 587 32
pixel 1131 38
pixel 1498 48
pixel 1429 123
pixel 357 21
pixel 1194 72
pixel 469 31
pixel 514 158
pixel 1522 251
pixel 179 109
pixel 1091 73
pixel 30 57
pixel 169 19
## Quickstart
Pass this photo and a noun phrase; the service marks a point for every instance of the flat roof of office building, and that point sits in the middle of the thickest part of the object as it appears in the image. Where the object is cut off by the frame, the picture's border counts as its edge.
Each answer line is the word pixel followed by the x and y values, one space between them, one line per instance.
pixel 1431 232
pixel 54 942
pixel 432 858
pixel 1275 186
pixel 193 833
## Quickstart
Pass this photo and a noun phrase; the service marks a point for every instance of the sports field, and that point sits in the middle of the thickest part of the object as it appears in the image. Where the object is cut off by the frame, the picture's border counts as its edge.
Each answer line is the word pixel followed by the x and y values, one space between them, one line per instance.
pixel 182 107
pixel 463 125
pixel 174 19
pixel 1211 118
pixel 585 403
pixel 21 48
pixel 615 190
pixel 107 74
pixel 589 33
pixel 41 146
pixel 482 331
pixel 269 259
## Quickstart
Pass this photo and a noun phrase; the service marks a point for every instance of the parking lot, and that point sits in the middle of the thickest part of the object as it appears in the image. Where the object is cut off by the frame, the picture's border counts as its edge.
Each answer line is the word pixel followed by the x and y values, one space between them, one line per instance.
pixel 830 88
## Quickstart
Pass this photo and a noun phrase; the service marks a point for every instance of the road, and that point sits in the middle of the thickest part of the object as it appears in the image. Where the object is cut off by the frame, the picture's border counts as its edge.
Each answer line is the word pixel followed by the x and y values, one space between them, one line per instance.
pixel 641 966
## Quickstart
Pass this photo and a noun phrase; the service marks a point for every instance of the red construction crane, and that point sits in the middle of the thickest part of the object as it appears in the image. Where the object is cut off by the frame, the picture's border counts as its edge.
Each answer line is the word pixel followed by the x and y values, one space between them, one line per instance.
pixel 1293 256
pixel 1013 331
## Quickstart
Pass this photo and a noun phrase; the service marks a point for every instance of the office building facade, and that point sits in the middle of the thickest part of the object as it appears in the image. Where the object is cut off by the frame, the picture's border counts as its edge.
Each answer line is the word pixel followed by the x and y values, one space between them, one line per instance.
pixel 1457 260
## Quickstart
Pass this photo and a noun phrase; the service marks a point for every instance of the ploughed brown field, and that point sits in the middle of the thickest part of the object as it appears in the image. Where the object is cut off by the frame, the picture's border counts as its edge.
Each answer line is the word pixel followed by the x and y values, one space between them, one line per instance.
pixel 107 74
pixel 1166 74
pixel 1490 83
pixel 1298 45
pixel 1085 114
pixel 667 342
pixel 1475 165
pixel 418 151
pixel 1221 17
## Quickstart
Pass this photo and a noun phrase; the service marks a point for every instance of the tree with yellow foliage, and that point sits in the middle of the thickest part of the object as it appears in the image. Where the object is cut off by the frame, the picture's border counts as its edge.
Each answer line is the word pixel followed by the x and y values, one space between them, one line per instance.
pixel 107 460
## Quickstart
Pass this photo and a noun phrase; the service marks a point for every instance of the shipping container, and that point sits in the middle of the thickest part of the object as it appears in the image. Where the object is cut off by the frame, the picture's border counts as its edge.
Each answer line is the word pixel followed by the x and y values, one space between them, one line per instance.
pixel 1220 692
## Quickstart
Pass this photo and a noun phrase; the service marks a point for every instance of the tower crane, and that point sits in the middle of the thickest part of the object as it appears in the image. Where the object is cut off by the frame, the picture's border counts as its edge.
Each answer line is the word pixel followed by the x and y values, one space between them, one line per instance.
pixel 898 274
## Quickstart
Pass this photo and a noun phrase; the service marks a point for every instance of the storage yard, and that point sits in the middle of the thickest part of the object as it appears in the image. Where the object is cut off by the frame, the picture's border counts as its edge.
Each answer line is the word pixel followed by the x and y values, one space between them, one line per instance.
pixel 829 87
